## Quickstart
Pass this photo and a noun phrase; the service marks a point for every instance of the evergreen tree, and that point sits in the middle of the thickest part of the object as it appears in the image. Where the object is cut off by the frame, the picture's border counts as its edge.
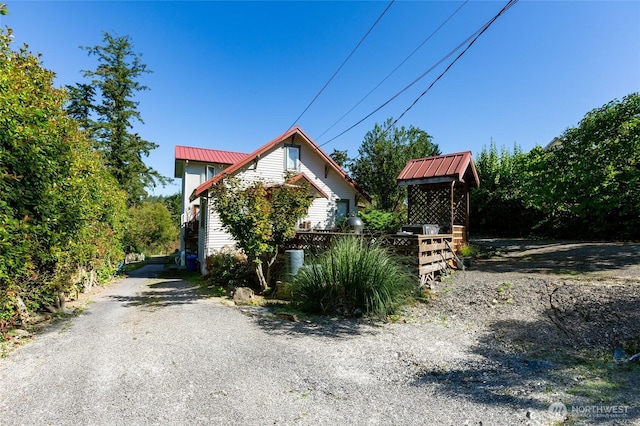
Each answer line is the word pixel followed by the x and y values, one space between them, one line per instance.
pixel 340 157
pixel 382 156
pixel 105 107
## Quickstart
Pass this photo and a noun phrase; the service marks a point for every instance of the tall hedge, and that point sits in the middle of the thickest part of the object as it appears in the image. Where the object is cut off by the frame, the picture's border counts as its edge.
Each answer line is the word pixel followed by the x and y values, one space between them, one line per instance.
pixel 583 185
pixel 60 211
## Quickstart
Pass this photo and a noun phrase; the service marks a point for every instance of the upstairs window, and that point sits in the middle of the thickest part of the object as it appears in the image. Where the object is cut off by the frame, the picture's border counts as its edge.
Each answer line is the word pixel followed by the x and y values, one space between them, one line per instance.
pixel 292 158
pixel 212 171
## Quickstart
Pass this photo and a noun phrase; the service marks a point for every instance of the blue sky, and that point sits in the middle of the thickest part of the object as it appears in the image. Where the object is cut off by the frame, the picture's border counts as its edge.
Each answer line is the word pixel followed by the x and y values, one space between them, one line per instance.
pixel 234 75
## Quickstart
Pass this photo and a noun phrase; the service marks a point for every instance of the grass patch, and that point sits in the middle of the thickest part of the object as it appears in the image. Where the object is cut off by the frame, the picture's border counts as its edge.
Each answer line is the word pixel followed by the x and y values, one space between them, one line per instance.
pixel 354 277
pixel 602 381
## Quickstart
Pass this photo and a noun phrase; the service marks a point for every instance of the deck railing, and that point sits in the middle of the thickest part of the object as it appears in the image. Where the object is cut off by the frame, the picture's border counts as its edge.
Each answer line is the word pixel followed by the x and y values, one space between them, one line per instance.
pixel 429 254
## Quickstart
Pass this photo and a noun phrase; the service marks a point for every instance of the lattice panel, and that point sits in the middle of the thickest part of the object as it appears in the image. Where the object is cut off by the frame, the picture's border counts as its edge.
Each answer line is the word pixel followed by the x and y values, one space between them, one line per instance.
pixel 433 205
pixel 429 205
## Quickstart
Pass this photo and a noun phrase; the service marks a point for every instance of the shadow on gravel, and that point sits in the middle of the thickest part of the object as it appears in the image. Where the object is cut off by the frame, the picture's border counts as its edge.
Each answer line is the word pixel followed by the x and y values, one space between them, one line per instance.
pixel 339 328
pixel 558 257
pixel 568 351
pixel 165 293
pixel 500 380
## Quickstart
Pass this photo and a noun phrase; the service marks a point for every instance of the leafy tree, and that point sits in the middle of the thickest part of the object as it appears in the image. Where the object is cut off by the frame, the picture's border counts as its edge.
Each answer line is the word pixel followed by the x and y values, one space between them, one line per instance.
pixel 587 182
pixel 173 203
pixel 582 185
pixel 382 156
pixel 498 206
pixel 60 210
pixel 260 218
pixel 340 157
pixel 151 228
pixel 106 109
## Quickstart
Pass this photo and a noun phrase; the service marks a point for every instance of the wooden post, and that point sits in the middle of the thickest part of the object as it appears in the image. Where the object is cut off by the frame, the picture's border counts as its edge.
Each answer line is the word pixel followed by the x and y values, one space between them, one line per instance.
pixel 453 214
pixel 409 203
pixel 466 219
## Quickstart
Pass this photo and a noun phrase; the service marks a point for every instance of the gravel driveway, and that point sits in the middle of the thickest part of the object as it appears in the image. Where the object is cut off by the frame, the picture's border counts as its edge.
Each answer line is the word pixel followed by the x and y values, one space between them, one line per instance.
pixel 153 350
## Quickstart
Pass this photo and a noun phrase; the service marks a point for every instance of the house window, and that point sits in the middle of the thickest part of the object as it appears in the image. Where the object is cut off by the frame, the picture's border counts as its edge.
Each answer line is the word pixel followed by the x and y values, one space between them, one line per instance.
pixel 292 157
pixel 202 214
pixel 212 171
pixel 342 209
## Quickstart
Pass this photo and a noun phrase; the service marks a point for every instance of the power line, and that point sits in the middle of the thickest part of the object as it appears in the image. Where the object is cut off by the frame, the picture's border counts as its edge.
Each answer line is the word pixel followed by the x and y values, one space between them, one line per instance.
pixel 396 68
pixel 343 63
pixel 474 38
pixel 404 89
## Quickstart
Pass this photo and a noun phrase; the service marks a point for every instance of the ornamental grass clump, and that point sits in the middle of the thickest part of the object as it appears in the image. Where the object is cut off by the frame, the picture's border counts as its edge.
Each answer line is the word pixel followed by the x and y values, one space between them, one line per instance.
pixel 354 277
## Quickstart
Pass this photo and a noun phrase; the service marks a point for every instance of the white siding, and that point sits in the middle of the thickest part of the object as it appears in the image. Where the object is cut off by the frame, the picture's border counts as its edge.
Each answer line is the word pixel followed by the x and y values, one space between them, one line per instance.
pixel 194 174
pixel 271 168
pixel 192 178
pixel 211 236
pixel 217 237
pixel 202 236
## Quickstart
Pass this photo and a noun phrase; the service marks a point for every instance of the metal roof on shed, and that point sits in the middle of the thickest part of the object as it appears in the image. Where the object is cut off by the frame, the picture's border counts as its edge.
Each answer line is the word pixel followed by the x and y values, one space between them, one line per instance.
pixel 458 167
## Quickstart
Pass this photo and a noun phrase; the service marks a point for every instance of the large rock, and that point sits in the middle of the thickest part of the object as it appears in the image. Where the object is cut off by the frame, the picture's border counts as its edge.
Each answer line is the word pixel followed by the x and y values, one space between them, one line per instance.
pixel 243 296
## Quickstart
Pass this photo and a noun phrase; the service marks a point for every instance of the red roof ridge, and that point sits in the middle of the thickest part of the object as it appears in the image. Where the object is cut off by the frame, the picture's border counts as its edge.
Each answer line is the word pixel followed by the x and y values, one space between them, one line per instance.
pixel 266 147
pixel 180 151
pixel 455 154
pixel 454 165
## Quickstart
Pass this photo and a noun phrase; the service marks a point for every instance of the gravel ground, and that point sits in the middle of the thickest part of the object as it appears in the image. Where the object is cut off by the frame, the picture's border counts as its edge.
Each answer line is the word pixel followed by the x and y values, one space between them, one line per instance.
pixel 153 350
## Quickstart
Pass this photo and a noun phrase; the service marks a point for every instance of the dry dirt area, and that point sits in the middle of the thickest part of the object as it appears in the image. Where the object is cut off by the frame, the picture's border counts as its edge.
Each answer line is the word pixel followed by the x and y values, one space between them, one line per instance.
pixel 582 296
pixel 570 310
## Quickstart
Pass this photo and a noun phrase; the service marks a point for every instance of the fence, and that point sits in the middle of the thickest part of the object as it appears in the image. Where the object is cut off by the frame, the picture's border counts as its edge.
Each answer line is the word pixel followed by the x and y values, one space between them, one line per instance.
pixel 429 254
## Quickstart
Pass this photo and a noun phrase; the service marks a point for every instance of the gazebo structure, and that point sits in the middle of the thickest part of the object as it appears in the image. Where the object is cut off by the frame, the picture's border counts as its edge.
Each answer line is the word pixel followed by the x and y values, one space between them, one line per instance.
pixel 438 192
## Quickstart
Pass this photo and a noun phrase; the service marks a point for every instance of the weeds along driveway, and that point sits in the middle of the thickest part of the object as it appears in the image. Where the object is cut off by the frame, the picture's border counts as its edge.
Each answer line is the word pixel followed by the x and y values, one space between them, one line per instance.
pixel 155 351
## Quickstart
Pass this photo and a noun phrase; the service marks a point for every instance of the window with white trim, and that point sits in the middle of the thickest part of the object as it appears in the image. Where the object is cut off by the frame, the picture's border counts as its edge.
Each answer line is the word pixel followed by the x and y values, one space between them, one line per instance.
pixel 212 171
pixel 292 158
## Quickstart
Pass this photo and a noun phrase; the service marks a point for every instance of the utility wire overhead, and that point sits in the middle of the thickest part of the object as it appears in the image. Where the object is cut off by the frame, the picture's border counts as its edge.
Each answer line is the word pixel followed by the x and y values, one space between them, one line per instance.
pixel 395 69
pixel 474 37
pixel 508 6
pixel 404 89
pixel 343 63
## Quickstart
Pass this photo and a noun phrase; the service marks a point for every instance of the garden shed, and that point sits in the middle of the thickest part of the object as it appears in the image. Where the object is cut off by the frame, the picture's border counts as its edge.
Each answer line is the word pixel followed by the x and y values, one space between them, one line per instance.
pixel 438 192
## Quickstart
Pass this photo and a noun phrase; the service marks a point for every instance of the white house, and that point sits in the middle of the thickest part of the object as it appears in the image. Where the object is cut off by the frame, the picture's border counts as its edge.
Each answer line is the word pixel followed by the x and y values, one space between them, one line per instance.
pixel 337 195
pixel 195 166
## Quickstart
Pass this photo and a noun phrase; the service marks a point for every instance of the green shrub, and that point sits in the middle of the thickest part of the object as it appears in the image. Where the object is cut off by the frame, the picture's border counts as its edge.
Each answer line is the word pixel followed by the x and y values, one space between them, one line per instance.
pixel 468 250
pixel 379 220
pixel 353 277
pixel 230 268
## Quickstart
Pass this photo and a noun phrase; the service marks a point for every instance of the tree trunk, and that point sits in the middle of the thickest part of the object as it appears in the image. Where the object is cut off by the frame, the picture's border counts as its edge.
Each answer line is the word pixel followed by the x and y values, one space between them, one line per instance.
pixel 269 264
pixel 23 312
pixel 263 281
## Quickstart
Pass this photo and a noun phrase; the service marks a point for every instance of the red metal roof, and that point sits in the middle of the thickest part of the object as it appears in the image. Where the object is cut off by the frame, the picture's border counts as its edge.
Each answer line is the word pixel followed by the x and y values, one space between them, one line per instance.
pixel 296 130
pixel 213 156
pixel 457 167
